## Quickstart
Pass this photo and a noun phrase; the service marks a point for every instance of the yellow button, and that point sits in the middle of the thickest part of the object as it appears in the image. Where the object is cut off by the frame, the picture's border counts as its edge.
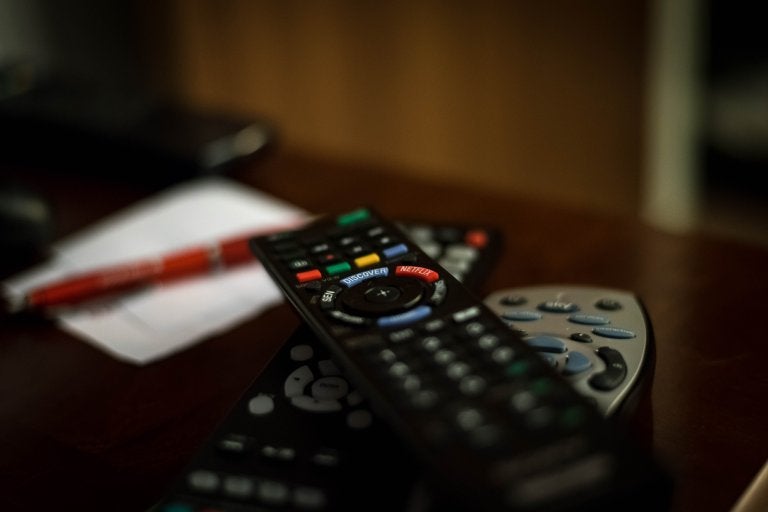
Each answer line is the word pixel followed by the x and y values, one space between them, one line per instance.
pixel 367 260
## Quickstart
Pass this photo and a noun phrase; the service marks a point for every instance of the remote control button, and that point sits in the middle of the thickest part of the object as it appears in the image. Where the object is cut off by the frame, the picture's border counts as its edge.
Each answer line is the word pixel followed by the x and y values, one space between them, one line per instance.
pixel 353 217
pixel 408 317
pixel 581 337
pixel 461 253
pixel 320 248
pixel 261 404
pixel 328 299
pixel 558 306
pixel 439 291
pixel 272 492
pixel 382 296
pixel 472 385
pixel 299 264
pixel 488 341
pixel 436 325
pixel 347 318
pixel 466 315
pixel 401 335
pixel 203 481
pixel 425 274
pixel 238 487
pixel 311 404
pixel 549 359
pixel 326 457
pixel 365 275
pixel 513 300
pixel 330 388
pixel 545 343
pixel 353 251
pixel 476 238
pixel 234 444
pixel 433 249
pixel 308 275
pixel 608 305
pixel 328 258
pixel 521 316
pixel 309 498
pixel 278 453
pixel 395 251
pixel 431 343
pixel 469 418
pixel 584 319
pixel 575 363
pixel 338 268
pixel 302 352
pixel 614 332
pixel 375 231
pixel 614 373
pixel 297 380
pixel 367 260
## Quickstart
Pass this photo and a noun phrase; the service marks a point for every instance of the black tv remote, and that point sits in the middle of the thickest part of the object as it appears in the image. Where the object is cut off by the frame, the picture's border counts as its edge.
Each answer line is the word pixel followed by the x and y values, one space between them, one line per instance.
pixel 302 438
pixel 599 339
pixel 383 306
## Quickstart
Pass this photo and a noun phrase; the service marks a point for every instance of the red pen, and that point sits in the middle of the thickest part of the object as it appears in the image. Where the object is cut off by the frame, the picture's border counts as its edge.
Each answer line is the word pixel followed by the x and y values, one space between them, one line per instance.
pixel 187 262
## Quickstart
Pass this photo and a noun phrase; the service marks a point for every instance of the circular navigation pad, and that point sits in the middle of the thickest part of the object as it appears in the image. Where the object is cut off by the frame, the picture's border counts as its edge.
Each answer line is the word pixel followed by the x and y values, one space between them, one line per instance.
pixel 386 295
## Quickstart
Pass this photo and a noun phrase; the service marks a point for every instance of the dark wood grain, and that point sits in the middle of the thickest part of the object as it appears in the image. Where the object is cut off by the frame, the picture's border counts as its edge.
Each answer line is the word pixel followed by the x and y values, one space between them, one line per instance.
pixel 80 430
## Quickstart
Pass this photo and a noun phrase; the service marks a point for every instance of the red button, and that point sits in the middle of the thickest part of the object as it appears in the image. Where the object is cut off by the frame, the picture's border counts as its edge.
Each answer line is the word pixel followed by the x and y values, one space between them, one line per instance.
pixel 422 273
pixel 476 238
pixel 309 275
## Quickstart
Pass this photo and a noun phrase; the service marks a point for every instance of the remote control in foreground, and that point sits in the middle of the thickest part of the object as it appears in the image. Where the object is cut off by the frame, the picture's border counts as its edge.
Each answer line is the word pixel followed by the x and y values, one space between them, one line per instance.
pixel 599 339
pixel 494 425
pixel 302 438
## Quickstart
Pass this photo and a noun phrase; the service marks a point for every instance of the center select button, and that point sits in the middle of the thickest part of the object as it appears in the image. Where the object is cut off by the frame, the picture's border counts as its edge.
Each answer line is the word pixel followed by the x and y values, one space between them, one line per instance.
pixel 388 295
pixel 382 294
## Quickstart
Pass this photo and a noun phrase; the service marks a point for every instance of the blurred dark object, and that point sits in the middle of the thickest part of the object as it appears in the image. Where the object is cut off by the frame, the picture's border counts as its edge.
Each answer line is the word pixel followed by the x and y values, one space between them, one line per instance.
pixel 26 227
pixel 50 123
pixel 735 153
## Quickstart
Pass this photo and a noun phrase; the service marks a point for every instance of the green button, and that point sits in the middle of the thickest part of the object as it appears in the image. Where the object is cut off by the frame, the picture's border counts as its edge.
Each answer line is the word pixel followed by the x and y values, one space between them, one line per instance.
pixel 573 417
pixel 541 386
pixel 338 268
pixel 517 369
pixel 353 216
pixel 177 507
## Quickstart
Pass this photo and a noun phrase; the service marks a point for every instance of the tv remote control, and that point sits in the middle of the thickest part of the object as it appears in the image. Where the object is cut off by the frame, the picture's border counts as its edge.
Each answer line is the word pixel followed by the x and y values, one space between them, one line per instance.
pixel 302 428
pixel 409 335
pixel 301 437
pixel 599 339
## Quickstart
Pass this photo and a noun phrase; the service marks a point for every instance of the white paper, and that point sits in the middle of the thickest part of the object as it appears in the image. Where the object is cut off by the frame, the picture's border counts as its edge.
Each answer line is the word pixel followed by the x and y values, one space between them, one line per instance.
pixel 156 322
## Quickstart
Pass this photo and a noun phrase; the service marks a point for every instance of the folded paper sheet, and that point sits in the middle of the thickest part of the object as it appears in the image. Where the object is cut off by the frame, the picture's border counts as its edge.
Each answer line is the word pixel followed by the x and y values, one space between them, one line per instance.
pixel 157 321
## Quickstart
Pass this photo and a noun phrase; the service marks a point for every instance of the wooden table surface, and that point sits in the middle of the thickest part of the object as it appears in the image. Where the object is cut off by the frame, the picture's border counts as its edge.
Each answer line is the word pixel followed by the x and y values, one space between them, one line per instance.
pixel 82 431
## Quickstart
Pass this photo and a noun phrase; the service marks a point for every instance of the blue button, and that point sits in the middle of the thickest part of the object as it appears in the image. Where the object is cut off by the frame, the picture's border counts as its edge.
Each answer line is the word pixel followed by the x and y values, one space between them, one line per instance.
pixel 584 319
pixel 358 278
pixel 576 363
pixel 614 332
pixel 547 344
pixel 405 318
pixel 395 250
pixel 521 316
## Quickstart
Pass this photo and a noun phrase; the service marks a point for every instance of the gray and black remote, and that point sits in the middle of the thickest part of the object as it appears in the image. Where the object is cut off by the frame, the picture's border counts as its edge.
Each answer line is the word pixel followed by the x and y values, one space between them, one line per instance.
pixel 449 377
pixel 302 438
pixel 599 339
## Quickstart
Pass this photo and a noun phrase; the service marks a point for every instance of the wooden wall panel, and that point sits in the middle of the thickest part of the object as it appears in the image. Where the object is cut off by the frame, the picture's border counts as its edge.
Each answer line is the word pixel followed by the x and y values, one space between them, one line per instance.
pixel 540 98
